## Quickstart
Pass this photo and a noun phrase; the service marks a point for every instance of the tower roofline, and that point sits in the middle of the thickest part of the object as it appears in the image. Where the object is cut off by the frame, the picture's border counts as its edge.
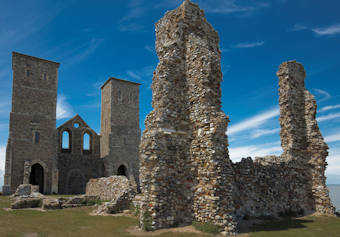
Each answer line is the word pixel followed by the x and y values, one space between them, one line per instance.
pixel 34 58
pixel 116 79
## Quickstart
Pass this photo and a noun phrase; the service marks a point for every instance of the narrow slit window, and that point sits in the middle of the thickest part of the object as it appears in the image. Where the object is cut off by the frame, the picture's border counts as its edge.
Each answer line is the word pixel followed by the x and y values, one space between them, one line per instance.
pixel 44 76
pixel 36 137
pixel 28 72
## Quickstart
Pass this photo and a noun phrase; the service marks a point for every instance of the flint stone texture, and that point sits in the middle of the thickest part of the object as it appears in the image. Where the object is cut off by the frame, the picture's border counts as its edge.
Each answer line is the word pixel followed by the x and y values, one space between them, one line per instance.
pixel 110 188
pixel 120 203
pixel 185 172
pixel 26 202
pixel 51 204
pixel 294 182
pixel 26 189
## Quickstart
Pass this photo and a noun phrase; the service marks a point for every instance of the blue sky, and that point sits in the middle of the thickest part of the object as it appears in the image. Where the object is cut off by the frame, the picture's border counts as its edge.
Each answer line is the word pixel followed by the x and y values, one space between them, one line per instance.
pixel 94 40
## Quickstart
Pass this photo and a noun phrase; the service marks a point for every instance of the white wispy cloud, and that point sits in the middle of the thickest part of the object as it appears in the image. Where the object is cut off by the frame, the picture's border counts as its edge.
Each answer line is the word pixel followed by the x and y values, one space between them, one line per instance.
pixel 143 75
pixel 330 107
pixel 136 9
pixel 2 157
pixel 85 51
pixel 168 3
pixel 296 27
pixel 263 132
pixel 131 27
pixel 230 6
pixel 237 153
pixel 328 117
pixel 333 137
pixel 323 93
pixel 328 30
pixel 64 109
pixel 95 89
pixel 254 121
pixel 248 45
pixel 149 48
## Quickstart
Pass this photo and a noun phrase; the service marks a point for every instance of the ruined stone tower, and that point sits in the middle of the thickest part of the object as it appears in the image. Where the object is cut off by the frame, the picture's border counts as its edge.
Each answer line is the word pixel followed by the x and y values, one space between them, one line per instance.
pixel 186 172
pixel 120 132
pixel 31 155
pixel 301 139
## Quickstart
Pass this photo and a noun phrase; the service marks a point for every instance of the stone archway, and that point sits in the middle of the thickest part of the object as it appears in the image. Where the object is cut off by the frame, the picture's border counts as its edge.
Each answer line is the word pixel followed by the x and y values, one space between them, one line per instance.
pixel 37 176
pixel 122 170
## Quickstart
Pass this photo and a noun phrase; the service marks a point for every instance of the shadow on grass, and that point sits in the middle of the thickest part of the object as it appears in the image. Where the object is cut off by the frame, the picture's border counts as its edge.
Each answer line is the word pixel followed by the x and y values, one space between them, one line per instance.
pixel 281 225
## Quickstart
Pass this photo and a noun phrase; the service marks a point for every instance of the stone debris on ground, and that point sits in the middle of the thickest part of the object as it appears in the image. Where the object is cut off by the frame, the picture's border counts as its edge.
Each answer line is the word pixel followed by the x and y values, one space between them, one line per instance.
pixel 119 190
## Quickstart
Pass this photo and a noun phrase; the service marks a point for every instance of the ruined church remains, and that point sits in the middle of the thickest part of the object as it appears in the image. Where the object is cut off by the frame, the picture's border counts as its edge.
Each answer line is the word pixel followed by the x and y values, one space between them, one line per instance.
pixel 185 173
pixel 36 153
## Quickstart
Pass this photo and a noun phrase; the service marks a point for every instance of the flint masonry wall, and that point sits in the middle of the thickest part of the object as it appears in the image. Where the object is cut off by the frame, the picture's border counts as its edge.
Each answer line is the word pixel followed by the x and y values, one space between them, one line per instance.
pixel 109 188
pixel 294 181
pixel 185 170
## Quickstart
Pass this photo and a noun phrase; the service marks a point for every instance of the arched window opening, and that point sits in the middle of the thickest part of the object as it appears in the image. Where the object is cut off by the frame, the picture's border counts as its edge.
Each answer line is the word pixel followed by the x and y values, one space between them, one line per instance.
pixel 66 140
pixel 76 125
pixel 37 176
pixel 36 137
pixel 121 170
pixel 86 142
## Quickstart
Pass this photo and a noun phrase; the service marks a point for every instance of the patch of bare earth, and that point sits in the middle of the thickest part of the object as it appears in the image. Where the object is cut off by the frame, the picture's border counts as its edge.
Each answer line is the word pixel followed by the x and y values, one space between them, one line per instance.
pixel 136 231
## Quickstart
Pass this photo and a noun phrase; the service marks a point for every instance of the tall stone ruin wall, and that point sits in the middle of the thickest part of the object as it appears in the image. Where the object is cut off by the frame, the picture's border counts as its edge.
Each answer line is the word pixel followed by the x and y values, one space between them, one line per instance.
pixel 185 170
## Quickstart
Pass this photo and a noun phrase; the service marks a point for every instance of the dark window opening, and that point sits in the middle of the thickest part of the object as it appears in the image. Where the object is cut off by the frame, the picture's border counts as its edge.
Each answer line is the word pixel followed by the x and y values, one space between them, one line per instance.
pixel 121 170
pixel 45 76
pixel 28 72
pixel 36 137
pixel 37 176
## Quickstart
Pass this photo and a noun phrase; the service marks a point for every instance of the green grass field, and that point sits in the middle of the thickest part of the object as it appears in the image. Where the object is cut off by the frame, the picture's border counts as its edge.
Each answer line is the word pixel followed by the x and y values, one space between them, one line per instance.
pixel 78 222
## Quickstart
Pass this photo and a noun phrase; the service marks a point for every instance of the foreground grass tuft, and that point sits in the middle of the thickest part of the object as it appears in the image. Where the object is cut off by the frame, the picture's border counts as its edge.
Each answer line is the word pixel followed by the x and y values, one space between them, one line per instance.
pixel 207 227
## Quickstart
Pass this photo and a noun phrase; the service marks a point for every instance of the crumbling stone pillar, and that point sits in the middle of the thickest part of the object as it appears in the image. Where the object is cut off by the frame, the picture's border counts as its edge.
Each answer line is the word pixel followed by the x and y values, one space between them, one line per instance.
pixel 292 106
pixel 318 150
pixel 186 172
pixel 304 149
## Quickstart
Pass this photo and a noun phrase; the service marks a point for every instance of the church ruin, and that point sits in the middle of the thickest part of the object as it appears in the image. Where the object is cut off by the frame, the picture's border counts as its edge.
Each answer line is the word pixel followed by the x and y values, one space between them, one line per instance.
pixel 182 166
pixel 35 152
pixel 186 174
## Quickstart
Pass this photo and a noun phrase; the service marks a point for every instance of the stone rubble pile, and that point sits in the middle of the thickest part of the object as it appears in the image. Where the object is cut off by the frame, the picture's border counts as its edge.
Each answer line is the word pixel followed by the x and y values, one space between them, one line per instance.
pixel 27 197
pixel 119 191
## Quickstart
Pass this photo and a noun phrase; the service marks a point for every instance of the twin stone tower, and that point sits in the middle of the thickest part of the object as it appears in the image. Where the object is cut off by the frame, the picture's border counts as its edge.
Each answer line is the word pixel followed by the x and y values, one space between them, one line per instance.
pixel 185 171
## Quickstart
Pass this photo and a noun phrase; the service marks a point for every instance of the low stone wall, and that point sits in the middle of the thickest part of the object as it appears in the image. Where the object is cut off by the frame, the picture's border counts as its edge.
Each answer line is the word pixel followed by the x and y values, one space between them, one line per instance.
pixel 270 186
pixel 109 188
